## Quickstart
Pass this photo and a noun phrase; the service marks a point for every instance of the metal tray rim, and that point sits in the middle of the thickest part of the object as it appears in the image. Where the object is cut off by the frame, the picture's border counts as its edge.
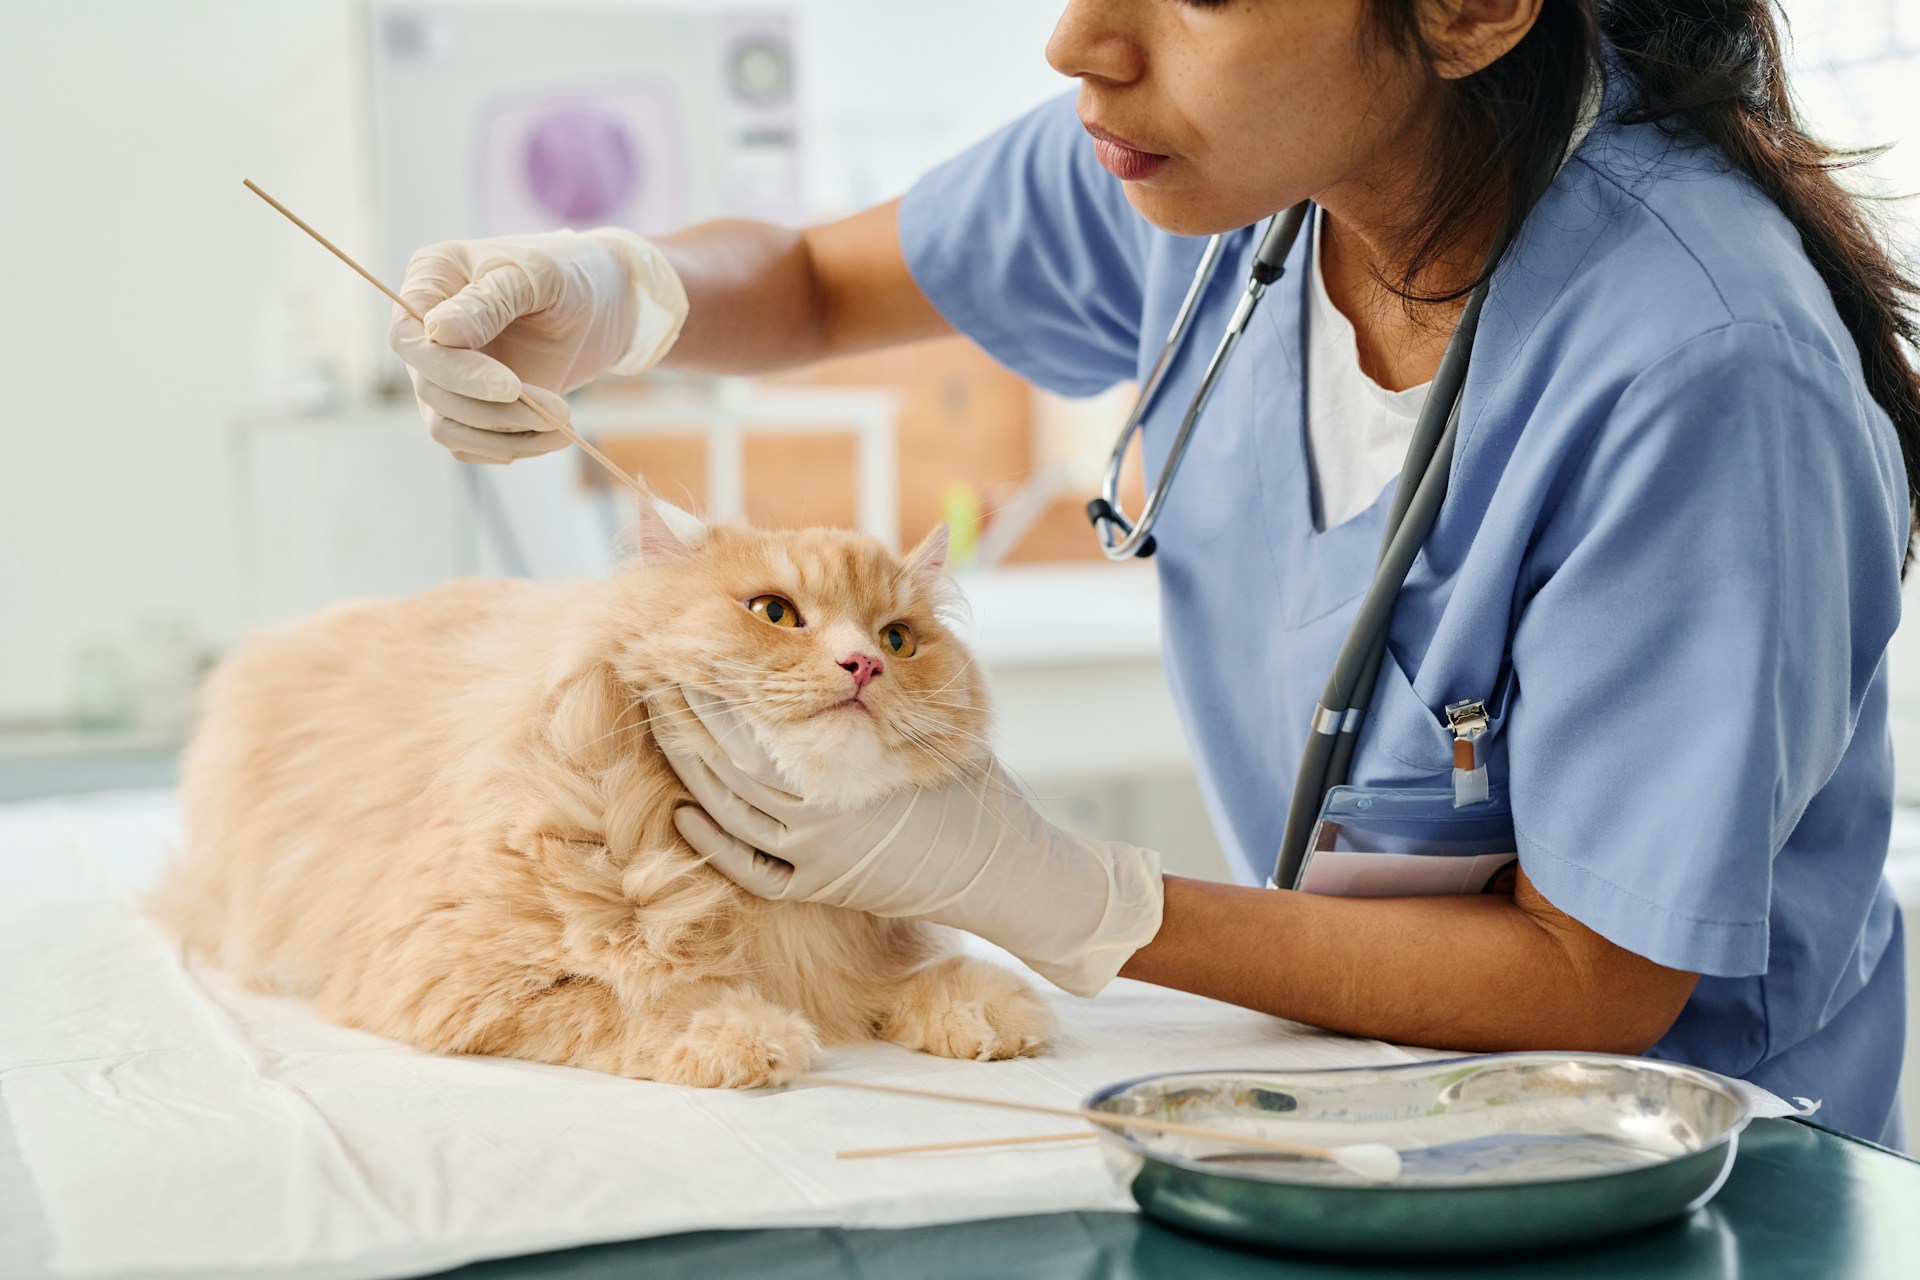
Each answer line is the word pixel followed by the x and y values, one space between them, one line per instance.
pixel 1709 1079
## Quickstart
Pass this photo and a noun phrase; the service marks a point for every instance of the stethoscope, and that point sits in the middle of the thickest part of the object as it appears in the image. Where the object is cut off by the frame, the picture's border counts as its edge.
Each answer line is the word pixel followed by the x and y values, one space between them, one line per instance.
pixel 1325 762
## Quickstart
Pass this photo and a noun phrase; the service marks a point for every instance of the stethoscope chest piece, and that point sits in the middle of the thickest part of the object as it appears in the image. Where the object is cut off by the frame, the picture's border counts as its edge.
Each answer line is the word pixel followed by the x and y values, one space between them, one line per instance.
pixel 1101 514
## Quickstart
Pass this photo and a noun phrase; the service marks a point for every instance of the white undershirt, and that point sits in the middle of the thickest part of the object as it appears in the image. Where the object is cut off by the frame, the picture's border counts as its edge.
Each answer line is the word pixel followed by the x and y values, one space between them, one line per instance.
pixel 1357 430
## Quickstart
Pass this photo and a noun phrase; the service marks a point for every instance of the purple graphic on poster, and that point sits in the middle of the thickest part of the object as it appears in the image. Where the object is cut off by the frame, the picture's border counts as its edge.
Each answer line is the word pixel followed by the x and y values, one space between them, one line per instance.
pixel 580 163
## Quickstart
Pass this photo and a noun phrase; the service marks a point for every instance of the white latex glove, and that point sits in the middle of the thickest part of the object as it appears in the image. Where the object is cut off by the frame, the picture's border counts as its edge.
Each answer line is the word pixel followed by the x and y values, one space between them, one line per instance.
pixel 544 313
pixel 973 854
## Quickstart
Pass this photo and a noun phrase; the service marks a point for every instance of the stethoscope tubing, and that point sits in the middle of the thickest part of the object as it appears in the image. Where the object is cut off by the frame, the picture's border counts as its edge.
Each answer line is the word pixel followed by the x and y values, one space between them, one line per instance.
pixel 1105 514
pixel 1349 689
pixel 1327 757
pixel 1328 754
pixel 1422 453
pixel 1416 502
pixel 1136 535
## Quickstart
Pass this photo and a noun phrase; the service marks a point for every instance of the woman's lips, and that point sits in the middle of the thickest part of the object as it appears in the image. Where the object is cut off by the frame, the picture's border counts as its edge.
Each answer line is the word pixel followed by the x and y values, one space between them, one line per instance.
pixel 1123 160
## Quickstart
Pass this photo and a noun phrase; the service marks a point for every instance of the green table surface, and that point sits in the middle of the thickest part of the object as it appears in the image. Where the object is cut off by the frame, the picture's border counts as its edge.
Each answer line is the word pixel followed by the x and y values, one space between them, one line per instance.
pixel 1801 1201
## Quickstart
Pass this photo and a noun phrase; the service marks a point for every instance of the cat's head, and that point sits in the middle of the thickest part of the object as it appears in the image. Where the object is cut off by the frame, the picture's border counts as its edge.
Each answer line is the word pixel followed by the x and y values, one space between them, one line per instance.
pixel 832 647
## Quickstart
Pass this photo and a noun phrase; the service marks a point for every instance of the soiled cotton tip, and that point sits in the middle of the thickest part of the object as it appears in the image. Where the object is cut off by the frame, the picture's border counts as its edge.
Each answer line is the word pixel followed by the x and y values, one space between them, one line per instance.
pixel 1374 1161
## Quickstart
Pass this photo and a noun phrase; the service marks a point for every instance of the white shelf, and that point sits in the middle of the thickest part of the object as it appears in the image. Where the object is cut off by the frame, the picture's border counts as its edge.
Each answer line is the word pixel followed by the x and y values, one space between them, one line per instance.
pixel 1047 615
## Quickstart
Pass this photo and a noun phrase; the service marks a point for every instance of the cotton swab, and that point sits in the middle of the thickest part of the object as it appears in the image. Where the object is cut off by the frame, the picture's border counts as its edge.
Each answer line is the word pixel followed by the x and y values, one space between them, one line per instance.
pixel 971 1144
pixel 1372 1161
pixel 612 467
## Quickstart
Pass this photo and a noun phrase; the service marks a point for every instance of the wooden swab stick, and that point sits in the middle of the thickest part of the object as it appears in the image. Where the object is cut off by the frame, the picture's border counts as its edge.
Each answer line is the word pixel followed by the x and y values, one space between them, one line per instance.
pixel 612 467
pixel 1105 1118
pixel 971 1144
pixel 1373 1161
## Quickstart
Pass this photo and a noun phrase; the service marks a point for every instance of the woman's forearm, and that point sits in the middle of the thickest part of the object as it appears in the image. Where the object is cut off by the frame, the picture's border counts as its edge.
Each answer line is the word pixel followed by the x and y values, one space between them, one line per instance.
pixel 1486 973
pixel 762 297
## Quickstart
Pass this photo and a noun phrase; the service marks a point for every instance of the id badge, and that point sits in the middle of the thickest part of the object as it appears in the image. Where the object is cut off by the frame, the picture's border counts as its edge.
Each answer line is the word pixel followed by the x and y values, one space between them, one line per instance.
pixel 1409 842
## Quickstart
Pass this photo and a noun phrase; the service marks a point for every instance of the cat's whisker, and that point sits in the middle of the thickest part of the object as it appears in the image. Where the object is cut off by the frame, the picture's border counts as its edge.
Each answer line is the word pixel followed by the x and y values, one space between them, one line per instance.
pixel 724 701
pixel 964 770
pixel 624 726
pixel 915 715
pixel 964 667
pixel 773 683
pixel 656 718
pixel 733 704
pixel 935 704
pixel 667 717
pixel 738 725
pixel 980 797
pixel 948 730
pixel 986 749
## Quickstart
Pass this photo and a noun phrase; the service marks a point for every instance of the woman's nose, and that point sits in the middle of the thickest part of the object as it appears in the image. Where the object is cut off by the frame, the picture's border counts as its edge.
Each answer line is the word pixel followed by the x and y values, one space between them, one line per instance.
pixel 1090 41
pixel 863 667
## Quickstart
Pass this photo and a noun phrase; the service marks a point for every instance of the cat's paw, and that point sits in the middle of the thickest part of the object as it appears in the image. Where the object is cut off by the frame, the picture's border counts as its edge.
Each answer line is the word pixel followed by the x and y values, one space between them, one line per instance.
pixel 963 1008
pixel 987 1031
pixel 740 1042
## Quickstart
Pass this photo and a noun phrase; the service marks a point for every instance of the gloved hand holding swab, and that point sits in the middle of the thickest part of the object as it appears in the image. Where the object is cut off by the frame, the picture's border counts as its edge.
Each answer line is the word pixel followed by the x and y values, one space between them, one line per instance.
pixel 539 411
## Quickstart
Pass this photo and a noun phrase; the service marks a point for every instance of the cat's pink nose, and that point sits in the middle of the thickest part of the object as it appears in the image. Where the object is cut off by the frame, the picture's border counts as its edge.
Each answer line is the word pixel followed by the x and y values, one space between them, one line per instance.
pixel 863 667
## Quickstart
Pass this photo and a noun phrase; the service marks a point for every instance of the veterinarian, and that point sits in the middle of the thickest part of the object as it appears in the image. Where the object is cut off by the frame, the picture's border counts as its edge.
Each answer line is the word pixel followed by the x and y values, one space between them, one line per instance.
pixel 1643 643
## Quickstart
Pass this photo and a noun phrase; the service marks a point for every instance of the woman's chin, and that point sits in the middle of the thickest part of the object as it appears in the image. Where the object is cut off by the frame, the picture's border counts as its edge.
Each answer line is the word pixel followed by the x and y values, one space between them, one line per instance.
pixel 1180 208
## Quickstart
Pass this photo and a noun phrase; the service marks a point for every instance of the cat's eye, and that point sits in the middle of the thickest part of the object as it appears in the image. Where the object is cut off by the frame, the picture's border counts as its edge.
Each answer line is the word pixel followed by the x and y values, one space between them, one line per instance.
pixel 897 639
pixel 776 609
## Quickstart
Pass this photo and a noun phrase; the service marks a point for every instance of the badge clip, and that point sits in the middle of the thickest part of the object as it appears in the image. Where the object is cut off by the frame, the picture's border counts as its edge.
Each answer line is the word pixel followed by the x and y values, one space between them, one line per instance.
pixel 1468 720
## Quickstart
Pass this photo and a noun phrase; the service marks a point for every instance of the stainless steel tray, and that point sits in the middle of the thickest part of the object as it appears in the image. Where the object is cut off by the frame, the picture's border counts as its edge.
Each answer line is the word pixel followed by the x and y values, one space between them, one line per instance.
pixel 1501 1152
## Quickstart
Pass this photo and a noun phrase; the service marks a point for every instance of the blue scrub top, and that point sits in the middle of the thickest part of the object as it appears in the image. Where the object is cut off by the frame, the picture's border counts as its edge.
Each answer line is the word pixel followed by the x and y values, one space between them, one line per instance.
pixel 1669 561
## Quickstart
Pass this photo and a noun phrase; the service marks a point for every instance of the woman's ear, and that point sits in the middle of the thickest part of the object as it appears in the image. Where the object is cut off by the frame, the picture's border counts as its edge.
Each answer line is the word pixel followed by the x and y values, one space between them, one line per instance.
pixel 930 557
pixel 1468 36
pixel 663 532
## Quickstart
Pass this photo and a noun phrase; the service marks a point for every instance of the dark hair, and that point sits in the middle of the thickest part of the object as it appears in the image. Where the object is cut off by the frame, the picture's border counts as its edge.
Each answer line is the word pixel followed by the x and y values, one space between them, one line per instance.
pixel 1711 68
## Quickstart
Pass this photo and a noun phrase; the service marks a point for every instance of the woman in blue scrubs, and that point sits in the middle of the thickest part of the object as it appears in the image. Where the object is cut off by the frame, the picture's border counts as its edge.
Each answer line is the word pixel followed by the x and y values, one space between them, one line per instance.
pixel 1668 563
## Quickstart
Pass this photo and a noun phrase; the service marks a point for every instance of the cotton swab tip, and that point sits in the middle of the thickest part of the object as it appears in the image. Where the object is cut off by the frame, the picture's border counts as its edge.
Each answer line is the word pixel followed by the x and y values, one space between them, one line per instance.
pixel 1374 1161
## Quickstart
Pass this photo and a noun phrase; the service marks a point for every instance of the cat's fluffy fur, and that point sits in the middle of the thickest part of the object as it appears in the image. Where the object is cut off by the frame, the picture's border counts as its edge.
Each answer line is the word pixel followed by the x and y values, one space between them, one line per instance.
pixel 445 819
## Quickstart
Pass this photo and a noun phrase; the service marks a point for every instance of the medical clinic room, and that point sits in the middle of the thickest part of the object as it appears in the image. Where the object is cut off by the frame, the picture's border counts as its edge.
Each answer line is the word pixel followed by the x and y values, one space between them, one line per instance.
pixel 1044 638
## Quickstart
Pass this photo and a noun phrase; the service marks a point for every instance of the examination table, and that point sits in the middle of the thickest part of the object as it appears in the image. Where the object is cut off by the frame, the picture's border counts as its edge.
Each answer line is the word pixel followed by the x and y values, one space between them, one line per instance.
pixel 1802 1202
pixel 159 1122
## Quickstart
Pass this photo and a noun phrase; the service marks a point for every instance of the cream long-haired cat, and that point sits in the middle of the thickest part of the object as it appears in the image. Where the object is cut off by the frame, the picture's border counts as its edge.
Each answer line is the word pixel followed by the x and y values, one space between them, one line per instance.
pixel 445 819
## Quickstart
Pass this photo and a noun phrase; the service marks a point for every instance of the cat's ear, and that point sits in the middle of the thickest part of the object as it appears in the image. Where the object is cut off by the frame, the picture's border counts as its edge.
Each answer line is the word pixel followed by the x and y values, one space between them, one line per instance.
pixel 663 532
pixel 930 557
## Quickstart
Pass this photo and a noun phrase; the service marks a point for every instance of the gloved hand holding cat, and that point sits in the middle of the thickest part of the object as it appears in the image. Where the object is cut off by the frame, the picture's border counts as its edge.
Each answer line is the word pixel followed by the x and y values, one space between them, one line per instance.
pixel 972 853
